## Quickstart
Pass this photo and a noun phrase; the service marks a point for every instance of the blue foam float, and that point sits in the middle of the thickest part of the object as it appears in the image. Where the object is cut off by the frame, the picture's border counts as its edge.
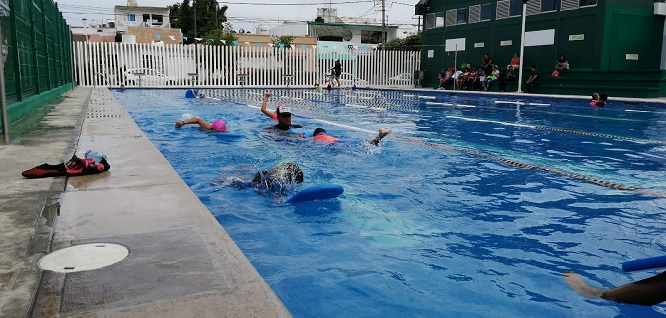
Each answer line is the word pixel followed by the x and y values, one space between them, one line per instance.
pixel 318 192
pixel 646 263
pixel 227 135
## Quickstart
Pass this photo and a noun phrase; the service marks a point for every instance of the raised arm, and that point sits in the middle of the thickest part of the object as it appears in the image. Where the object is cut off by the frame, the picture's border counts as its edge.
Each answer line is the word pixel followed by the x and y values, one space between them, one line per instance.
pixel 264 104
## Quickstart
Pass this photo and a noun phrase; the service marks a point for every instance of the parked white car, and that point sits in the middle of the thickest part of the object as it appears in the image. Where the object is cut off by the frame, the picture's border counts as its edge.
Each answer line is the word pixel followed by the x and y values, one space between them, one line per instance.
pixel 148 77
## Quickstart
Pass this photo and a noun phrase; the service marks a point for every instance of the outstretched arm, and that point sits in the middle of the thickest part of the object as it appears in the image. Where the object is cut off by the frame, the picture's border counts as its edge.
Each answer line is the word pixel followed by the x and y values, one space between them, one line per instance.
pixel 195 120
pixel 646 292
pixel 264 104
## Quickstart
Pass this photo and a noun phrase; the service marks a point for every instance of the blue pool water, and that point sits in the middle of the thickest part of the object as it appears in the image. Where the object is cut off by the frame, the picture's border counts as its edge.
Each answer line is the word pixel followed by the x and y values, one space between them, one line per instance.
pixel 433 222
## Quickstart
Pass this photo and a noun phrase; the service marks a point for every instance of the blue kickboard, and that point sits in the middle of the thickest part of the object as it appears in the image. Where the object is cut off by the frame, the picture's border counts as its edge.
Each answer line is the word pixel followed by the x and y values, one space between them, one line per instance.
pixel 319 192
pixel 227 135
pixel 306 131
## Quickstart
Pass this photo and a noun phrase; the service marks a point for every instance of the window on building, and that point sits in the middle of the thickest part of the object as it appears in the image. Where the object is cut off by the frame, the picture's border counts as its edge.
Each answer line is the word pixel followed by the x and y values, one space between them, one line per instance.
pixel 131 17
pixel 587 3
pixel 157 19
pixel 440 18
pixel 430 21
pixel 548 5
pixel 146 17
pixel 451 16
pixel 461 17
pixel 486 10
pixel 515 8
pixel 371 37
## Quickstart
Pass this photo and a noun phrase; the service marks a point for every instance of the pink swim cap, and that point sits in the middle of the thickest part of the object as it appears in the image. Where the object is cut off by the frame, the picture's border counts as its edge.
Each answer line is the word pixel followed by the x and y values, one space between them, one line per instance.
pixel 218 125
pixel 278 106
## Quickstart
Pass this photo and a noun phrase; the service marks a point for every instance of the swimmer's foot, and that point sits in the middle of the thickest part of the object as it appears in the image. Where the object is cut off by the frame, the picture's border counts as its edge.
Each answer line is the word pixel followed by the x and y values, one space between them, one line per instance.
pixel 579 286
pixel 179 124
pixel 383 132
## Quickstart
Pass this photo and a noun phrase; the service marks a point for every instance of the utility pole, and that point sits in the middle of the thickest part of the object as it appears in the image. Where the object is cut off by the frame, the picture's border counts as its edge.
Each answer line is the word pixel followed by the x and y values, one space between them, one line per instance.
pixel 383 22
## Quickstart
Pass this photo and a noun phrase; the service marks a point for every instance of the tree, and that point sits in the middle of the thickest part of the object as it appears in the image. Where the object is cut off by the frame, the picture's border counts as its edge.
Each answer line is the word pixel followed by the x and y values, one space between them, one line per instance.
pixel 223 36
pixel 285 40
pixel 410 43
pixel 209 14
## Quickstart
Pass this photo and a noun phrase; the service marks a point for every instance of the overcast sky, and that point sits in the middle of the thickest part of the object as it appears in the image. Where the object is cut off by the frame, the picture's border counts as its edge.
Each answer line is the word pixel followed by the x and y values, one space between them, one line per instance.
pixel 248 14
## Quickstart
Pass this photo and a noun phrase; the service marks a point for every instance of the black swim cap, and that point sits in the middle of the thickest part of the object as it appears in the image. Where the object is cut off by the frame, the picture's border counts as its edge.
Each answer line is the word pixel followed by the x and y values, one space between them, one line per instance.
pixel 292 172
pixel 318 131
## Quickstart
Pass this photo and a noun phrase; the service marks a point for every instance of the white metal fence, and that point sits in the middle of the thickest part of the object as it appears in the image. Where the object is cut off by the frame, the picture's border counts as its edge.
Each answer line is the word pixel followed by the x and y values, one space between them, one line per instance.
pixel 145 65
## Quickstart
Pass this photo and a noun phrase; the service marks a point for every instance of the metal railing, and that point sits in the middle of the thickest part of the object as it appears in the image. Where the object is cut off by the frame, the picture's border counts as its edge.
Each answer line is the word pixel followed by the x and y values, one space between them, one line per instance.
pixel 146 65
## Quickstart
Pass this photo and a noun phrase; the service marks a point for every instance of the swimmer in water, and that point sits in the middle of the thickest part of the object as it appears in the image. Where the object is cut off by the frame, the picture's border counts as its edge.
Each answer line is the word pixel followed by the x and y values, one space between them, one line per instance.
pixel 283 115
pixel 278 180
pixel 218 125
pixel 646 292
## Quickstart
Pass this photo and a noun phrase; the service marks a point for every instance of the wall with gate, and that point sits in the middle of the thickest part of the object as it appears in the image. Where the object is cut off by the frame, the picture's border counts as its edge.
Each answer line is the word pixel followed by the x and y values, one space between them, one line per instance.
pixel 146 65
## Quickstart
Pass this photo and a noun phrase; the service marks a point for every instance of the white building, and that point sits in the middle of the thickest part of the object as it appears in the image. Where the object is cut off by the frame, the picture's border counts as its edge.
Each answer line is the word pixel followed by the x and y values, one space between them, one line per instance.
pixel 333 31
pixel 133 15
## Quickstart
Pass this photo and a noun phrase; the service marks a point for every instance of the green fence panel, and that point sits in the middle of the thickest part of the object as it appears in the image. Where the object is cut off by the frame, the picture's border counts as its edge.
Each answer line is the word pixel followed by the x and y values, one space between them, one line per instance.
pixel 38 56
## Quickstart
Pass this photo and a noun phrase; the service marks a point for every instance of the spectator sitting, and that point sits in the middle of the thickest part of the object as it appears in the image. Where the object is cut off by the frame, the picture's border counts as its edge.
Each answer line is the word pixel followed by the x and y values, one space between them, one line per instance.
pixel 494 75
pixel 462 79
pixel 446 77
pixel 508 76
pixel 515 61
pixel 453 78
pixel 479 78
pixel 534 80
pixel 562 63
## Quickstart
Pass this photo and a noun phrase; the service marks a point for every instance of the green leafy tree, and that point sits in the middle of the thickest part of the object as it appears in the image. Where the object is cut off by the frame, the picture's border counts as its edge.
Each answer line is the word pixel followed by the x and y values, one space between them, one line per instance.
pixel 210 16
pixel 223 36
pixel 286 40
pixel 410 43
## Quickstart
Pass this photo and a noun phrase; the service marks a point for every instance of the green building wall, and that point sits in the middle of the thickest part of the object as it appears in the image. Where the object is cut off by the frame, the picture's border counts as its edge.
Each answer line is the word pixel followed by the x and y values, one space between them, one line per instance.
pixel 595 40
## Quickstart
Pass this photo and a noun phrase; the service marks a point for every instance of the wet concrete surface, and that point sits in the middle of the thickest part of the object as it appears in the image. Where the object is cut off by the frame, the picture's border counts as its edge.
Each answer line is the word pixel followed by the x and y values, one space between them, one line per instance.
pixel 181 261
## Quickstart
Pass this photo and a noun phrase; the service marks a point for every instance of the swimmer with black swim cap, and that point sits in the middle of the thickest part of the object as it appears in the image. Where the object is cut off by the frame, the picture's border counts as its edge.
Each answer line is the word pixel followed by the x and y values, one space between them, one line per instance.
pixel 279 178
pixel 283 116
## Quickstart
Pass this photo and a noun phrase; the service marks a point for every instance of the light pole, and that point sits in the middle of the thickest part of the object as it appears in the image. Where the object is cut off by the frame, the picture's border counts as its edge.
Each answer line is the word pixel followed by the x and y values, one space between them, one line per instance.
pixel 522 48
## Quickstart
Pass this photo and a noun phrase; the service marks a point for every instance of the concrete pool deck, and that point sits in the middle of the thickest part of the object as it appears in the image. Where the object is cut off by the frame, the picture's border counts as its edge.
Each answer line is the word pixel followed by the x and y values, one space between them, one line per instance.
pixel 181 262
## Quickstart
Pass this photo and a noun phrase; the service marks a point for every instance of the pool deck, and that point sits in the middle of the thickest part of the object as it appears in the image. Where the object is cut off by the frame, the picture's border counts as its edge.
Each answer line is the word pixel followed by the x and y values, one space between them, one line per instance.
pixel 181 262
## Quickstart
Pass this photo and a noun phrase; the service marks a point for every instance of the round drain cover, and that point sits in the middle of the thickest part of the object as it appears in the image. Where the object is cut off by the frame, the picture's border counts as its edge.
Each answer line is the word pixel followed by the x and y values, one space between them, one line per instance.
pixel 83 257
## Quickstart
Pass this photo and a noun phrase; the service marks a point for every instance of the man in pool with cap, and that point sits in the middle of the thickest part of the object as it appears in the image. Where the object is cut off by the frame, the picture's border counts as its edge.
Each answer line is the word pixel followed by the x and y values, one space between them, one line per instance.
pixel 283 116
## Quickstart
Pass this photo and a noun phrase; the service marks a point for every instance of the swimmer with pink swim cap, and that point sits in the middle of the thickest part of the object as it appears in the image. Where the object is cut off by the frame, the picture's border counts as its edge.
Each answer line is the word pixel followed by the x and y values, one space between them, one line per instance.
pixel 218 125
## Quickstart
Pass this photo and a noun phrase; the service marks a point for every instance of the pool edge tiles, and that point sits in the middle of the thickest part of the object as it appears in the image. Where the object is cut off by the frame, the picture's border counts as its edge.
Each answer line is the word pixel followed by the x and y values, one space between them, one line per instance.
pixel 180 258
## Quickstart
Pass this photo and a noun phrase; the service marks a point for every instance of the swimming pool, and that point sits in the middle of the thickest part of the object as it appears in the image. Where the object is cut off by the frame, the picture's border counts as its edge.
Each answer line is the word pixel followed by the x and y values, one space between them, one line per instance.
pixel 442 219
